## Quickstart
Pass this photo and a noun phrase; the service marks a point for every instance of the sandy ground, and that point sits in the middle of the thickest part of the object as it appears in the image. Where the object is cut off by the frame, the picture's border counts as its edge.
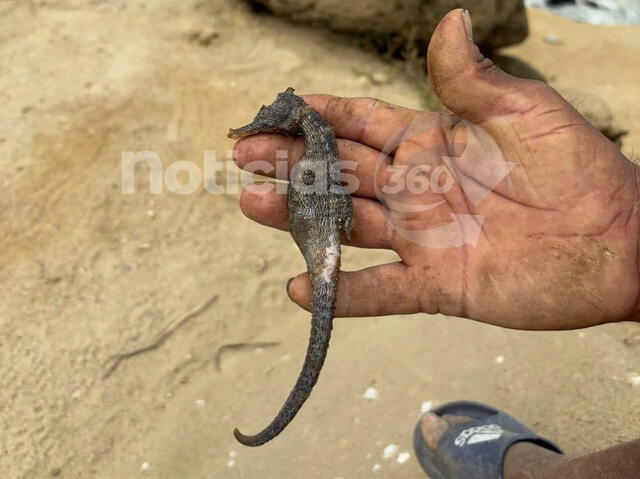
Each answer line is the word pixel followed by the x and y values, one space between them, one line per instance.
pixel 87 272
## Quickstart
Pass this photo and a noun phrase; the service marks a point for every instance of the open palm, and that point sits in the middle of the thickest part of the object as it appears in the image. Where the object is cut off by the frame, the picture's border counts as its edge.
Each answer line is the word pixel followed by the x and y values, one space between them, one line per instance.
pixel 512 211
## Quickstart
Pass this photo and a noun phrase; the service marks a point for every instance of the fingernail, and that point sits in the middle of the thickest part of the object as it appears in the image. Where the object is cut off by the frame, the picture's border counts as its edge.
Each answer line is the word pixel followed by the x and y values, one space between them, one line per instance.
pixel 468 26
pixel 288 283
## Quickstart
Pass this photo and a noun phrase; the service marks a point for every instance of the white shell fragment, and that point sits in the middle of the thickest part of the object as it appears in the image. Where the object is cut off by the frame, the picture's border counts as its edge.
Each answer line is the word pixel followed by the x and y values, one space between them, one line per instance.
pixel 403 457
pixel 499 359
pixel 380 78
pixel 390 451
pixel 376 468
pixel 426 406
pixel 633 379
pixel 370 393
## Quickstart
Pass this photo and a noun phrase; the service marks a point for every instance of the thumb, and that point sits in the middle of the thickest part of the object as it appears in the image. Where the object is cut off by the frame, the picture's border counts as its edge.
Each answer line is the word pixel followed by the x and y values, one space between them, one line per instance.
pixel 469 84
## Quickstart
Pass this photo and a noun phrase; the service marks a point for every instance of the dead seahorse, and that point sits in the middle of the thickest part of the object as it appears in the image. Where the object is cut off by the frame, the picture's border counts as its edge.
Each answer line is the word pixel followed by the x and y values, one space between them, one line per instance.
pixel 319 210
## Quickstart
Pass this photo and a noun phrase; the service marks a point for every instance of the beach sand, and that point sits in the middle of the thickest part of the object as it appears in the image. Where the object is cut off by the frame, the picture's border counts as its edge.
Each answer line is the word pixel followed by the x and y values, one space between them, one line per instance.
pixel 88 272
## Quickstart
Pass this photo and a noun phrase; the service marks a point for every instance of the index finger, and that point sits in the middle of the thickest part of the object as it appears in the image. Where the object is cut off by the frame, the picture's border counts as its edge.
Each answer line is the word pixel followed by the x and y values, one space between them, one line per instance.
pixel 369 121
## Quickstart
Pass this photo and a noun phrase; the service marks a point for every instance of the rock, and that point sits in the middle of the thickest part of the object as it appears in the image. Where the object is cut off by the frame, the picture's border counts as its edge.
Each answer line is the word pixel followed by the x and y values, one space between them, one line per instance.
pixel 406 26
pixel 553 39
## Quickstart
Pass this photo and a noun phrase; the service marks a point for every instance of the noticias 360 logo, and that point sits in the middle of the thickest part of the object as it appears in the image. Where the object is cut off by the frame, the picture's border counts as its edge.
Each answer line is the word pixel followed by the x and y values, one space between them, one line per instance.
pixel 422 173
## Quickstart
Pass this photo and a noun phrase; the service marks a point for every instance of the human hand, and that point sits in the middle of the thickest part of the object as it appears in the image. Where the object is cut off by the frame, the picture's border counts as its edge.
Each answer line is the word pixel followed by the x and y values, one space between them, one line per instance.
pixel 554 245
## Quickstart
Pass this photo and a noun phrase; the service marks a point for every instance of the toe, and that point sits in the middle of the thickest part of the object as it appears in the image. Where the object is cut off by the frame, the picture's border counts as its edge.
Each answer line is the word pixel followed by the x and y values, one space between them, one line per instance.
pixel 434 426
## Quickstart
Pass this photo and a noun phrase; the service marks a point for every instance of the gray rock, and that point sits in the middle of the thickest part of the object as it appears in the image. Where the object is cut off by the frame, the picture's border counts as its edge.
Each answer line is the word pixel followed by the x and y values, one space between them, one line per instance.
pixel 403 27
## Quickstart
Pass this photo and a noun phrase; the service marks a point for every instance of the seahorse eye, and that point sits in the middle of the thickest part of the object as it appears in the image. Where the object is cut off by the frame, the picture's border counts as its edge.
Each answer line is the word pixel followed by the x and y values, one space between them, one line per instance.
pixel 308 177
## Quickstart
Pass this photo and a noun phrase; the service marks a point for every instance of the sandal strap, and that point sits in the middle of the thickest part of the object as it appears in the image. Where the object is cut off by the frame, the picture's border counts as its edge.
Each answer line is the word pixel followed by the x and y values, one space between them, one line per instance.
pixel 476 449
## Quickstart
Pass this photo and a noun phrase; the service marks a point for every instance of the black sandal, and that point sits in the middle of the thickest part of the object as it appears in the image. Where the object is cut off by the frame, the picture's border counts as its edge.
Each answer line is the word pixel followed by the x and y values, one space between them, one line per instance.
pixel 474 449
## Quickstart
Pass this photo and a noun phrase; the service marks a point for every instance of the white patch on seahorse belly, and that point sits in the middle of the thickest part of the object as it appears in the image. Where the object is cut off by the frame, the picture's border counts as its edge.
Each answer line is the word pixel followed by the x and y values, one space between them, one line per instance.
pixel 331 260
